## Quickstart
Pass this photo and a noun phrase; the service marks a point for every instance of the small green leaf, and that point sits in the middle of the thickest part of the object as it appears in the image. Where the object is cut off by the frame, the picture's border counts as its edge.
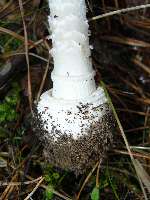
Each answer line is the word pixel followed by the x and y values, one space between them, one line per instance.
pixel 95 194
pixel 56 176
pixel 12 100
pixel 3 117
pixel 3 131
pixel 8 105
pixel 4 108
pixel 12 116
pixel 48 178
pixel 49 192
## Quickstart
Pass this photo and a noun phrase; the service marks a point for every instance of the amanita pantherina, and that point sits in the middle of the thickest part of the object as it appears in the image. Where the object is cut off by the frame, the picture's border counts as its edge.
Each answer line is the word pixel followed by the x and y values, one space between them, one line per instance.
pixel 73 118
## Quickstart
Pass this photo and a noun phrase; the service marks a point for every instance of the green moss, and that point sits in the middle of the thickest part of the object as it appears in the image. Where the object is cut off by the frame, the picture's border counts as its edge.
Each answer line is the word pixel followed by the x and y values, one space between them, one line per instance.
pixel 8 105
pixel 8 43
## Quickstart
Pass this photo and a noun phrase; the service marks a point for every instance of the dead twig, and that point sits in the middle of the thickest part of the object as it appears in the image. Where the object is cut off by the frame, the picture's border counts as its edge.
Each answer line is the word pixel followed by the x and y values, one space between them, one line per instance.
pixel 86 180
pixel 52 190
pixel 20 183
pixel 97 175
pixel 134 112
pixel 43 80
pixel 31 44
pixel 27 56
pixel 137 155
pixel 126 41
pixel 121 11
pixel 15 35
pixel 45 73
pixel 126 142
pixel 8 189
pixel 33 191
pixel 141 65
pixel 136 129
pixel 23 53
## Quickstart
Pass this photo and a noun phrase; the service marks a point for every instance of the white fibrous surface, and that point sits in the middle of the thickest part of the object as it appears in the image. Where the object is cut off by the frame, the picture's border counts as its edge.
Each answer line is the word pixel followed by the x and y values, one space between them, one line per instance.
pixel 67 7
pixel 71 118
pixel 74 103
pixel 71 50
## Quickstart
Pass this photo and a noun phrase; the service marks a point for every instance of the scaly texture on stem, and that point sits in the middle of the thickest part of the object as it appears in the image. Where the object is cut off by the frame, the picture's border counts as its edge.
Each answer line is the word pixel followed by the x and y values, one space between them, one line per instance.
pixel 73 119
pixel 73 75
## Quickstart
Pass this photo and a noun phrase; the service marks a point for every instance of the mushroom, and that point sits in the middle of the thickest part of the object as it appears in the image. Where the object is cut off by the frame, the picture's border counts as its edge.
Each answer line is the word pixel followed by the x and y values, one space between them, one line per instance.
pixel 73 119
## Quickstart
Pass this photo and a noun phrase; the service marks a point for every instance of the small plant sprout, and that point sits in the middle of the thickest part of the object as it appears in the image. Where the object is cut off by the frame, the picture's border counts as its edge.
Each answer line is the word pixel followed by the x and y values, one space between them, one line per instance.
pixel 73 119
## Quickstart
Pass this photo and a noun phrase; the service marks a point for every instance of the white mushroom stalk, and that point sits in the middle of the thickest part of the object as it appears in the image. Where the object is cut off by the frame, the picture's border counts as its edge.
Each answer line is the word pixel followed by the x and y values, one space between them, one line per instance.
pixel 73 75
pixel 74 119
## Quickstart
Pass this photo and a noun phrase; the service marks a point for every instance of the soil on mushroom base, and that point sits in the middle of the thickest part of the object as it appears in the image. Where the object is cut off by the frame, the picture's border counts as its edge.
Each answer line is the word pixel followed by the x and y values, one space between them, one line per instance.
pixel 81 154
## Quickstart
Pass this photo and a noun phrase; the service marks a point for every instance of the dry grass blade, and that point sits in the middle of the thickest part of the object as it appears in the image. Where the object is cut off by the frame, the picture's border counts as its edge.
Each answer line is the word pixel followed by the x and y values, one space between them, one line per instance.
pixel 137 155
pixel 142 23
pixel 86 180
pixel 97 175
pixel 8 189
pixel 137 129
pixel 7 55
pixel 45 187
pixel 13 34
pixel 27 56
pixel 121 11
pixel 20 183
pixel 8 12
pixel 43 80
pixel 39 42
pixel 136 87
pixel 36 187
pixel 126 41
pixel 116 3
pixel 125 140
pixel 6 6
pixel 52 190
pixel 59 194
pixel 141 65
pixel 21 38
pixel 143 175
pixel 108 20
pixel 144 100
pixel 30 43
pixel 134 112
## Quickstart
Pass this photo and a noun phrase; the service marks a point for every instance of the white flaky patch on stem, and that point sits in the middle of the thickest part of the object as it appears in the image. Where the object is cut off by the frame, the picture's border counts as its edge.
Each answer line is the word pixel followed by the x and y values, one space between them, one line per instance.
pixel 73 75
pixel 74 102
pixel 71 117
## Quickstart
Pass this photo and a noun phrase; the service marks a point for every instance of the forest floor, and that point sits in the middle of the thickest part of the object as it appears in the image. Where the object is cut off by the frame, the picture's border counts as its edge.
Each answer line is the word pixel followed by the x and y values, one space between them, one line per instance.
pixel 121 58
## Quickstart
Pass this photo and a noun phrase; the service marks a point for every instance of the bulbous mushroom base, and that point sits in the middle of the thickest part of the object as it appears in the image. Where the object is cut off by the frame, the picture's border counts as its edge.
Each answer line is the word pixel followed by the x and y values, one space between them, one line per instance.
pixel 75 134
